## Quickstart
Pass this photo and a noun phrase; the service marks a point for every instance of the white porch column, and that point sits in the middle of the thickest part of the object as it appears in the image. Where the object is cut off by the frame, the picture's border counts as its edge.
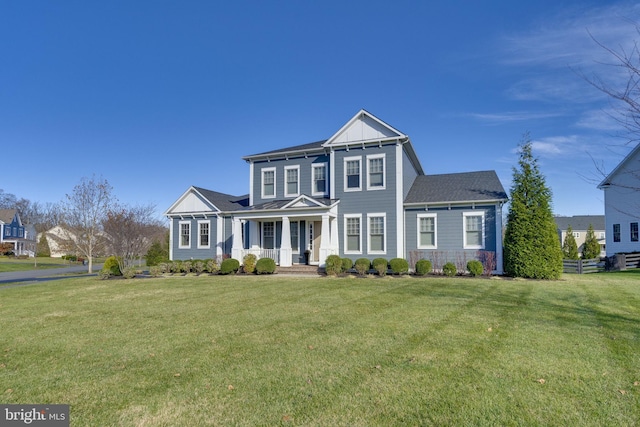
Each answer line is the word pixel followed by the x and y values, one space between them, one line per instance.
pixel 254 235
pixel 285 243
pixel 325 240
pixel 219 236
pixel 335 241
pixel 236 249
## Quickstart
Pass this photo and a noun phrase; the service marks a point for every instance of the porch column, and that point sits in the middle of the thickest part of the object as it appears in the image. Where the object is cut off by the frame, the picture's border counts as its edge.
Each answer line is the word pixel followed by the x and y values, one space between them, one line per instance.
pixel 254 235
pixel 285 243
pixel 335 242
pixel 325 240
pixel 236 249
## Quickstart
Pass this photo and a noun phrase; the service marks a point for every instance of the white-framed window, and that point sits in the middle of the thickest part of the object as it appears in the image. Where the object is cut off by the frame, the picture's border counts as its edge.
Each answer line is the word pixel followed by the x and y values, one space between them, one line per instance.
pixel 204 234
pixel 602 235
pixel 268 235
pixel 576 234
pixel 377 242
pixel 427 234
pixel 633 228
pixel 473 230
pixel 294 227
pixel 185 235
pixel 319 179
pixel 376 177
pixel 353 234
pixel 292 181
pixel 268 183
pixel 352 173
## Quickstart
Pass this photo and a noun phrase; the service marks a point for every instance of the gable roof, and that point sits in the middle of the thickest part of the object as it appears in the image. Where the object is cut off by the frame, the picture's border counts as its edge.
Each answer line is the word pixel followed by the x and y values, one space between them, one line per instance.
pixel 364 127
pixel 481 186
pixel 224 202
pixel 200 200
pixel 620 167
pixel 580 222
pixel 7 215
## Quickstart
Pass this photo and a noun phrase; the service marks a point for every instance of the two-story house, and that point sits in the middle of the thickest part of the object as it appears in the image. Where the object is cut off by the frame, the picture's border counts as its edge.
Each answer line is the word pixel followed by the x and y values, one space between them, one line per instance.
pixel 13 233
pixel 362 193
pixel 580 225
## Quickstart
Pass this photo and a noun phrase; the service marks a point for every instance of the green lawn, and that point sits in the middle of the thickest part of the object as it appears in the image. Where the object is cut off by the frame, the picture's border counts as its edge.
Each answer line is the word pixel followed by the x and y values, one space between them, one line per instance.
pixel 191 351
pixel 15 264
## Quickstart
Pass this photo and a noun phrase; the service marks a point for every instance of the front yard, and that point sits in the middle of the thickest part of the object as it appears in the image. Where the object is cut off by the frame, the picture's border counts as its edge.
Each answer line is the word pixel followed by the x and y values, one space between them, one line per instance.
pixel 225 350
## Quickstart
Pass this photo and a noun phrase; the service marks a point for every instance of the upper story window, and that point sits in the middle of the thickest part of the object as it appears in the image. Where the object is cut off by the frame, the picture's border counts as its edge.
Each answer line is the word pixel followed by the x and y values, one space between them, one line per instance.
pixel 602 236
pixel 634 231
pixel 473 230
pixel 292 186
pixel 268 183
pixel 352 166
pixel 377 233
pixel 353 235
pixel 576 234
pixel 7 231
pixel 616 232
pixel 319 179
pixel 427 238
pixel 185 235
pixel 375 172
pixel 204 228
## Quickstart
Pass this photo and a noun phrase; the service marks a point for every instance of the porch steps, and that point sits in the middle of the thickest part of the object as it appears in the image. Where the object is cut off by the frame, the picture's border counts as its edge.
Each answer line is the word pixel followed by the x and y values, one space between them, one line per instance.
pixel 308 270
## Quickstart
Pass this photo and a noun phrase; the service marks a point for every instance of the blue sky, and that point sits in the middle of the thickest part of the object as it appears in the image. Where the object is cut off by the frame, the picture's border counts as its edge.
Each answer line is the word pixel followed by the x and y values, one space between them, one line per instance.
pixel 156 96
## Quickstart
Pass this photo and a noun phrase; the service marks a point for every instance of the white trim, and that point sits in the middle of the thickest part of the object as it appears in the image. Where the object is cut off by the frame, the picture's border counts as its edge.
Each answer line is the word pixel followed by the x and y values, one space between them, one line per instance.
pixel 346 237
pixel 401 234
pixel 384 235
pixel 315 166
pixel 464 229
pixel 275 232
pixel 170 238
pixel 220 235
pixel 435 231
pixel 346 183
pixel 208 222
pixel 382 156
pixel 286 183
pixel 251 183
pixel 180 224
pixel 275 180
pixel 297 224
pixel 332 174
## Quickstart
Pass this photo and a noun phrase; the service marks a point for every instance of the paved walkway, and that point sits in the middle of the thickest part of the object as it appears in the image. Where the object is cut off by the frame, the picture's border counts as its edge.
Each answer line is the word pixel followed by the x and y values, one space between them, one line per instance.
pixel 14 278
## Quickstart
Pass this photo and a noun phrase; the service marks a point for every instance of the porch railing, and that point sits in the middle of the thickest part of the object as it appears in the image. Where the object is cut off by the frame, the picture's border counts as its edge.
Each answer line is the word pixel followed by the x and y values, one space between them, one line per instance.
pixel 274 254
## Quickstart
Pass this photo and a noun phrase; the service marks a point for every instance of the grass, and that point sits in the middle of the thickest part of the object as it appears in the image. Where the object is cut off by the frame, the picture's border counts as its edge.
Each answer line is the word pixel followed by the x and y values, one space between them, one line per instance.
pixel 15 264
pixel 326 351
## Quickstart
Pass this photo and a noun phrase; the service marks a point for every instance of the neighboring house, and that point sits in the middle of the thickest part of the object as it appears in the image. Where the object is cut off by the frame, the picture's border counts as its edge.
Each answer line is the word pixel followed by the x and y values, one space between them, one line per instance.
pixel 622 205
pixel 579 225
pixel 362 193
pixel 58 239
pixel 13 232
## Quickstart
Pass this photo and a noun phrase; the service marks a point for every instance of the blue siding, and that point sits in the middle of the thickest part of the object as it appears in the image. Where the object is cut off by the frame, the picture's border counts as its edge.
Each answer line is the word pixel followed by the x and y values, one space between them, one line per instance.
pixel 193 252
pixel 409 174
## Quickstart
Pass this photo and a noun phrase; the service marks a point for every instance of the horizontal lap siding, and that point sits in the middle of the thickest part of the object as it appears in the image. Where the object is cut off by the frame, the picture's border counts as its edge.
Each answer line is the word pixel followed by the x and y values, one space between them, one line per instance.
pixel 193 252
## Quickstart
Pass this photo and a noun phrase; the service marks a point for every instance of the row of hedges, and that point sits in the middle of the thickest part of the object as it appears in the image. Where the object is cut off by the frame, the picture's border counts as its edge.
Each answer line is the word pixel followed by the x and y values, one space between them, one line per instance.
pixel 336 265
pixel 213 266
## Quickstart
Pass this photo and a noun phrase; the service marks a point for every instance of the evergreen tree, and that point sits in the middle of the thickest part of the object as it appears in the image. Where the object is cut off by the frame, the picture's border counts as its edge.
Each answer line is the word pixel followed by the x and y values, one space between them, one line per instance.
pixel 570 247
pixel 591 245
pixel 42 248
pixel 531 244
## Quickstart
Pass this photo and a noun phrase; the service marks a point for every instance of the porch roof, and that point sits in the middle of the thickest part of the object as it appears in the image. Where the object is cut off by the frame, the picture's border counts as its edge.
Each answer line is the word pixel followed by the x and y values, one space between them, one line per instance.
pixel 280 204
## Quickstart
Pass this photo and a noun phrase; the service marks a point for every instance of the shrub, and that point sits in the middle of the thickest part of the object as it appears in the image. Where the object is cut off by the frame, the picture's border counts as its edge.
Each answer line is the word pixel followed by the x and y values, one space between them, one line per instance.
pixel 475 268
pixel 111 266
pixel 176 267
pixel 362 266
pixel 250 263
pixel 229 266
pixel 347 264
pixel 156 254
pixel 155 270
pixel 449 269
pixel 211 265
pixel 129 273
pixel 187 266
pixel 423 267
pixel 265 266
pixel 380 265
pixel 333 265
pixel 399 266
pixel 198 266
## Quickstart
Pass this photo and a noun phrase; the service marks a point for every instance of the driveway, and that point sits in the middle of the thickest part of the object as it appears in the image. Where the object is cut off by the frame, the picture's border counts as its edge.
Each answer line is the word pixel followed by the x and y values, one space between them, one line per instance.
pixel 30 276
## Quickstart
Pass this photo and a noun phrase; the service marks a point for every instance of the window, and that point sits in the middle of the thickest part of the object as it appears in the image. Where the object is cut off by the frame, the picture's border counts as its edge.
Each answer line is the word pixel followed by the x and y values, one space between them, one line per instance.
pixel 377 240
pixel 185 235
pixel 268 235
pixel 295 239
pixel 601 235
pixel 292 186
pixel 427 231
pixel 473 230
pixel 375 172
pixel 7 231
pixel 203 233
pixel 352 174
pixel 268 183
pixel 576 234
pixel 319 179
pixel 353 240
pixel 634 231
pixel 616 232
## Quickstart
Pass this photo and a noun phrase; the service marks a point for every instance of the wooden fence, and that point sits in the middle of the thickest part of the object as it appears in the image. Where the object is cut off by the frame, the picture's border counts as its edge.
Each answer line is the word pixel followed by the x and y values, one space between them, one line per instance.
pixel 583 266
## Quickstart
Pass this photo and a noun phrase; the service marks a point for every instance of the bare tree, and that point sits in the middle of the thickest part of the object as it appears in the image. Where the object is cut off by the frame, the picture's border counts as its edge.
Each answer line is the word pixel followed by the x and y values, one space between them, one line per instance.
pixel 130 231
pixel 84 213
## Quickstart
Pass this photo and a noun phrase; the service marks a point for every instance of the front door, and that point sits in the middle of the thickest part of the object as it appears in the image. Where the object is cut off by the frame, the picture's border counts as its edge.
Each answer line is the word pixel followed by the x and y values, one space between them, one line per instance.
pixel 314 229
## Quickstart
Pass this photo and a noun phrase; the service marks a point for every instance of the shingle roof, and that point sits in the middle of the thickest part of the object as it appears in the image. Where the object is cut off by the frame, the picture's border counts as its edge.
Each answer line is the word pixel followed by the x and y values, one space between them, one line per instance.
pixel 580 222
pixel 224 202
pixel 297 148
pixel 456 187
pixel 6 215
pixel 278 204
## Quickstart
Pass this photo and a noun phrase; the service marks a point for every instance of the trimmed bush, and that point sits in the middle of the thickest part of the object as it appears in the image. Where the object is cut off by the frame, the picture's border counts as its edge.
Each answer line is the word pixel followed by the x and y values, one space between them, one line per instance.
pixel 187 266
pixel 423 267
pixel 176 266
pixel 229 266
pixel 347 264
pixel 333 265
pixel 475 268
pixel 111 266
pixel 249 263
pixel 449 269
pixel 155 270
pixel 211 265
pixel 399 266
pixel 198 266
pixel 380 265
pixel 265 266
pixel 129 273
pixel 363 265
